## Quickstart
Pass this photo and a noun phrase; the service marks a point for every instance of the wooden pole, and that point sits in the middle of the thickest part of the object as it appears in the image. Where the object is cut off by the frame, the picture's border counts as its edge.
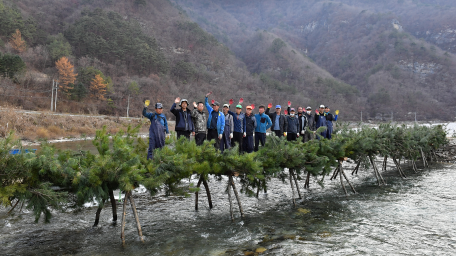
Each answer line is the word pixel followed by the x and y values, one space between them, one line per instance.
pixel 113 205
pixel 208 193
pixel 135 213
pixel 196 193
pixel 292 188
pixel 124 214
pixel 237 196
pixel 97 215
pixel 296 183
pixel 229 199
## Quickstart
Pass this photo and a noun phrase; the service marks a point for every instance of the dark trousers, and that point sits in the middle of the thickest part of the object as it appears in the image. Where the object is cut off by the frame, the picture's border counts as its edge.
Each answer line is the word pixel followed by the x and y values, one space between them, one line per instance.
pixel 248 144
pixel 212 135
pixel 307 136
pixel 199 138
pixel 237 139
pixel 259 137
pixel 226 141
pixel 291 136
pixel 278 133
pixel 186 134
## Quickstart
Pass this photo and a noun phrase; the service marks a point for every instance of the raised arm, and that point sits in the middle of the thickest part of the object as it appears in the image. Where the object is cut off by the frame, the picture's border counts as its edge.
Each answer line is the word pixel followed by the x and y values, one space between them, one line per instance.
pixel 147 114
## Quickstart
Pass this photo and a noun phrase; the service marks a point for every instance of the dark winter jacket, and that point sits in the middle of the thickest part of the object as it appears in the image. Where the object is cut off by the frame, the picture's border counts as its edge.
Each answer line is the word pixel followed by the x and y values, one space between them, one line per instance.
pixel 310 121
pixel 293 124
pixel 160 117
pixel 238 121
pixel 184 120
pixel 302 120
pixel 250 124
pixel 282 121
pixel 199 120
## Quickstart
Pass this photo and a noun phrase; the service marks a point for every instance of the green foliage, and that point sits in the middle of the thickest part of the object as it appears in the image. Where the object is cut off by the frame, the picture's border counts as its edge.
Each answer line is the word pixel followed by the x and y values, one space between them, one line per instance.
pixel 11 19
pixel 11 65
pixel 183 70
pixel 133 88
pixel 197 34
pixel 121 163
pixel 109 38
pixel 78 92
pixel 276 84
pixel 58 47
pixel 276 45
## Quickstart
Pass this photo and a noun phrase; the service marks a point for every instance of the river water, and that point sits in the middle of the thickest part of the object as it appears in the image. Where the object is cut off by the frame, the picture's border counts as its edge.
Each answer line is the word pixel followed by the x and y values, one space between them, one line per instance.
pixel 409 216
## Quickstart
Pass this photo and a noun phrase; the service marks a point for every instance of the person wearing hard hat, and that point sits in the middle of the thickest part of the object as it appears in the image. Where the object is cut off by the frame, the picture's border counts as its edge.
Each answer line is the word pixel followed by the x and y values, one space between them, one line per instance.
pixel 215 122
pixel 320 120
pixel 225 143
pixel 157 129
pixel 199 121
pixel 184 123
pixel 250 124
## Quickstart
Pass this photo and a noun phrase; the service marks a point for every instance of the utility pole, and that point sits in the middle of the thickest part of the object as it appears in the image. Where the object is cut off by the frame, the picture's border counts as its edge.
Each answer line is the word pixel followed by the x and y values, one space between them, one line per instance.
pixel 392 117
pixel 128 104
pixel 56 88
pixel 415 117
pixel 52 97
pixel 361 116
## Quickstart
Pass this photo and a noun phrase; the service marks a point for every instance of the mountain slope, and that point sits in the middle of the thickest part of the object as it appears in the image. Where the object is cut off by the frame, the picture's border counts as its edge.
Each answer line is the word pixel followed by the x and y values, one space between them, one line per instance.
pixel 364 43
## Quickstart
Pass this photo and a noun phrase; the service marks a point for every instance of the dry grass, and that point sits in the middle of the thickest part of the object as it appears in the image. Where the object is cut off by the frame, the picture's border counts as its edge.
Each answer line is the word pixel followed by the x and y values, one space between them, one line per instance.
pixel 31 126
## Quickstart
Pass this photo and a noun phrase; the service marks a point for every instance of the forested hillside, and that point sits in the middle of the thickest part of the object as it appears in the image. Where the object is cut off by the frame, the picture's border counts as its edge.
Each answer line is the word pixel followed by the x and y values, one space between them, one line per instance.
pixel 398 53
pixel 105 52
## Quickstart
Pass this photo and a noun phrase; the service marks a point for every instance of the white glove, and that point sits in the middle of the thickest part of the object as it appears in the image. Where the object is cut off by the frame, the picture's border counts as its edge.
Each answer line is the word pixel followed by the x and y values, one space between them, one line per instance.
pixel 231 135
pixel 302 132
pixel 168 135
pixel 245 134
pixel 220 136
pixel 284 134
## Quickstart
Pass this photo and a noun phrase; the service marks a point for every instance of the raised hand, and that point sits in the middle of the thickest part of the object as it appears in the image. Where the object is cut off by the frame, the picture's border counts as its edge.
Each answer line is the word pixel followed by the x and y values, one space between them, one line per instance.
pixel 146 103
pixel 212 102
pixel 253 106
pixel 337 112
pixel 289 103
pixel 241 100
pixel 231 102
pixel 194 104
pixel 270 105
pixel 209 93
pixel 177 100
pixel 286 112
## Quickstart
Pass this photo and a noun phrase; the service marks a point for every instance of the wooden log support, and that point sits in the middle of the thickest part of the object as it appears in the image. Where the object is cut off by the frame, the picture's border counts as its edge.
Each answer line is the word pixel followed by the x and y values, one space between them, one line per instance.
pixel 124 214
pixel 296 183
pixel 399 169
pixel 97 215
pixel 135 213
pixel 196 193
pixel 229 199
pixel 237 195
pixel 292 188
pixel 341 180
pixel 12 208
pixel 355 171
pixel 113 205
pixel 335 173
pixel 208 193
pixel 307 183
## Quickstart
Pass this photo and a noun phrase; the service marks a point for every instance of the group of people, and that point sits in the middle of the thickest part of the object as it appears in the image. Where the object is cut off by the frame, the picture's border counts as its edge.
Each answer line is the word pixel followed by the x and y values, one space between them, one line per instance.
pixel 227 128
